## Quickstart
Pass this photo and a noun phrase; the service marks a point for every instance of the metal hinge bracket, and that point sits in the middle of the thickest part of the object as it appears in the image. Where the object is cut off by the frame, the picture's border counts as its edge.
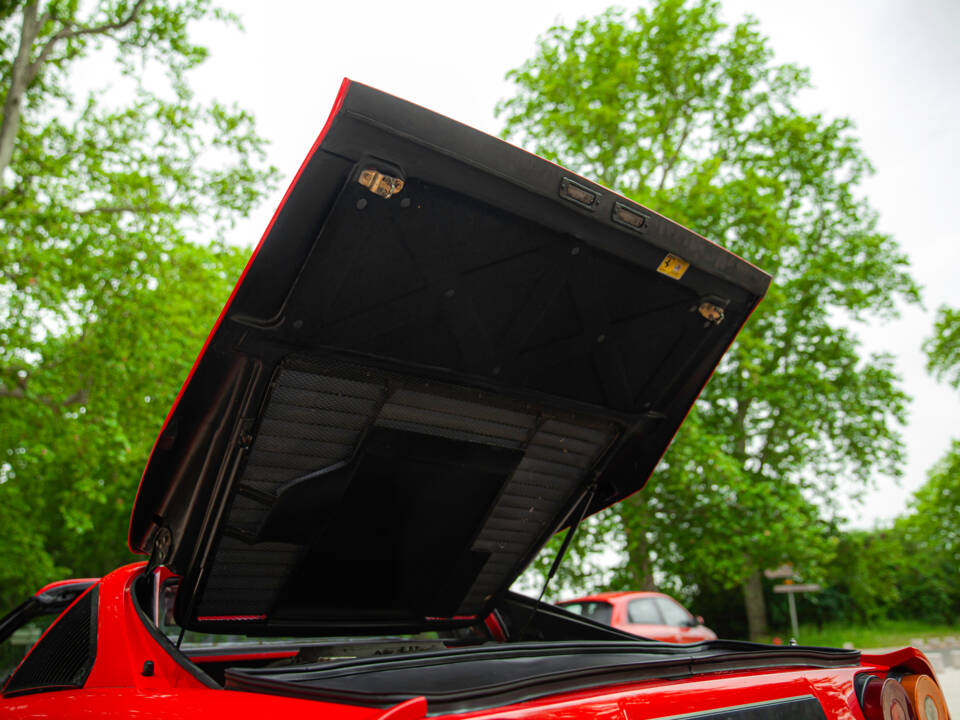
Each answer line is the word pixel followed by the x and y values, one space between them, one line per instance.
pixel 379 184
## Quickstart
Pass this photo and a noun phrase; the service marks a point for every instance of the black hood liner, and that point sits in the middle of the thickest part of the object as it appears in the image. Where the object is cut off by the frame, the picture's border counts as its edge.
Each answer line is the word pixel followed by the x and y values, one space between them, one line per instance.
pixel 420 498
pixel 407 395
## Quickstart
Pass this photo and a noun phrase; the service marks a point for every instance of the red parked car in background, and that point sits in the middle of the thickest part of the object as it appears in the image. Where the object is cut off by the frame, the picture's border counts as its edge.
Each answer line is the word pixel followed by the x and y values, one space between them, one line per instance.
pixel 443 351
pixel 651 615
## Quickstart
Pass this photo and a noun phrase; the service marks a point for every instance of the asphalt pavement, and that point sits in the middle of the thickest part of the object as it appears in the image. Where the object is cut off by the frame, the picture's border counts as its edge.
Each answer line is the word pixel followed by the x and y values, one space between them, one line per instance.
pixel 950 682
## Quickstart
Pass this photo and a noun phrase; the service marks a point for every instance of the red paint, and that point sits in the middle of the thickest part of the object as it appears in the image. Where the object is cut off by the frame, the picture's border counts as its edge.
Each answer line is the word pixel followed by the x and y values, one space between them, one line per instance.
pixel 117 687
pixel 412 709
pixel 495 628
pixel 909 658
pixel 620 619
pixel 338 103
pixel 241 656
pixel 172 704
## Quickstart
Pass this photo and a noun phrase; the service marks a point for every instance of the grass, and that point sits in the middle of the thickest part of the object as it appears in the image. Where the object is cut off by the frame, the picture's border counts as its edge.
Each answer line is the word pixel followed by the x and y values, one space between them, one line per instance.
pixel 882 634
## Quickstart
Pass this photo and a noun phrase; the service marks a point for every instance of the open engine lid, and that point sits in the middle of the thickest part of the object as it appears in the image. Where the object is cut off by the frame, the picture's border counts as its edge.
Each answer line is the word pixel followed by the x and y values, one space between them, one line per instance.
pixel 442 350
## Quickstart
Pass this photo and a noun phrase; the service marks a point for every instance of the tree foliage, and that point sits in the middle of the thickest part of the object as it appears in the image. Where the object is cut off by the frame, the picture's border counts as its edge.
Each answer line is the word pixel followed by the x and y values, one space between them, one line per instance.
pixel 678 111
pixel 114 195
pixel 943 348
pixel 935 507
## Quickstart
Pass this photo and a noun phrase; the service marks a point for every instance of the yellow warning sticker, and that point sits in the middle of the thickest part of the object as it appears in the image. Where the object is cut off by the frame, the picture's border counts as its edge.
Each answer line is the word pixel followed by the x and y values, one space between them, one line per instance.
pixel 674 267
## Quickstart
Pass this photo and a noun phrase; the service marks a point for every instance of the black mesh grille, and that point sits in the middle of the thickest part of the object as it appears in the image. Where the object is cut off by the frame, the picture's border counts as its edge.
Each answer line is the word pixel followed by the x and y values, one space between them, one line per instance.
pixel 64 656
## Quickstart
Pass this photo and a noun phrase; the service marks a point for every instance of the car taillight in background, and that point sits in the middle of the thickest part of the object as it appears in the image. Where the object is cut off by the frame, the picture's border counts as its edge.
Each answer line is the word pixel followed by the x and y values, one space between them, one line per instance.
pixel 913 697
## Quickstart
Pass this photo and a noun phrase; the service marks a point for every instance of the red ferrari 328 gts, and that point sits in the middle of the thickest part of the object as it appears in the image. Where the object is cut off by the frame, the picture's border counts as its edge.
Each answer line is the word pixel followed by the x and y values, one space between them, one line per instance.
pixel 444 351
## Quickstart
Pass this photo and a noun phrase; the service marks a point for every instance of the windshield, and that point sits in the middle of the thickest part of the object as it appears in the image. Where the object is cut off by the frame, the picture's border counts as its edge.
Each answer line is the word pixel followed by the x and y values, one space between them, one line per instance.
pixel 597 611
pixel 323 647
pixel 15 647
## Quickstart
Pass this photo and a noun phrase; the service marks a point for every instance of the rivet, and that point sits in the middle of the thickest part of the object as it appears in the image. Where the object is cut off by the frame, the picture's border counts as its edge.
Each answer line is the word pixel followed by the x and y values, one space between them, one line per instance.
pixel 575 251
pixel 361 203
pixel 449 293
pixel 601 338
pixel 405 203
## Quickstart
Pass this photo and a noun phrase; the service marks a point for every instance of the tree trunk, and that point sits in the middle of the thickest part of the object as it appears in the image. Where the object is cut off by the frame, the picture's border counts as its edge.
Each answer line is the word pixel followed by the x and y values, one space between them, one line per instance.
pixel 18 81
pixel 756 606
pixel 638 547
pixel 24 69
pixel 639 554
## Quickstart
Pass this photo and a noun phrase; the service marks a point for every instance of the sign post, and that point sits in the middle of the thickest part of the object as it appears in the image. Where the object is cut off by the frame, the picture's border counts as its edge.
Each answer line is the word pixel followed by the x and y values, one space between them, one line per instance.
pixel 790 589
pixel 792 604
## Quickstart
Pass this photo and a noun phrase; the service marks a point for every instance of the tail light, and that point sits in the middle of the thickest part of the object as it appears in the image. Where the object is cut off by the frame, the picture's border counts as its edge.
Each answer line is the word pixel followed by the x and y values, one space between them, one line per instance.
pixel 913 697
pixel 926 696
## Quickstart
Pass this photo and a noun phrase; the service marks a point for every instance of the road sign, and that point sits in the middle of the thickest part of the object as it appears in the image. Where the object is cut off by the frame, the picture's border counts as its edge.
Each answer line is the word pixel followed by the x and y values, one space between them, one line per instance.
pixel 790 588
pixel 796 588
pixel 784 571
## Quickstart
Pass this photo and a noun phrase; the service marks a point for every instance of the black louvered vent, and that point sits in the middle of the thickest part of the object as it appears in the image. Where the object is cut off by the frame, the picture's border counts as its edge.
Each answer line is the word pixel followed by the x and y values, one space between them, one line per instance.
pixel 64 656
pixel 336 441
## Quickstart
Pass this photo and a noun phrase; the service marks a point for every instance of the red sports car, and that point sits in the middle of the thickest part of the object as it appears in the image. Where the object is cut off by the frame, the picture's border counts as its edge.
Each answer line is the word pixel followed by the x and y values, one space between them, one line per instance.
pixel 651 615
pixel 443 351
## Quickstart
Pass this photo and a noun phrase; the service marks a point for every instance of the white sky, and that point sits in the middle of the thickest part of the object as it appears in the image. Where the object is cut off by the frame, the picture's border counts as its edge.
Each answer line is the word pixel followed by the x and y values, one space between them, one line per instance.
pixel 890 65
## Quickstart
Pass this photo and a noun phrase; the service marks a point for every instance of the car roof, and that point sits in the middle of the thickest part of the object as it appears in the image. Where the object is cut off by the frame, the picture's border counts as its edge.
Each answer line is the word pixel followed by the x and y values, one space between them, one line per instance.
pixel 614 595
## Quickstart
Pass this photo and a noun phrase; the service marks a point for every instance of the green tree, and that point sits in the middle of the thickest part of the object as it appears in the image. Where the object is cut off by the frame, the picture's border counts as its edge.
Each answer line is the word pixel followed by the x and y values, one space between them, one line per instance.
pixel 114 197
pixel 943 347
pixel 935 507
pixel 676 110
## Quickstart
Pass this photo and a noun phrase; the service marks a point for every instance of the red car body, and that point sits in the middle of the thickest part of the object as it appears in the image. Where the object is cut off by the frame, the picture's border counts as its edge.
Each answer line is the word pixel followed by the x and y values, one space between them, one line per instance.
pixel 443 351
pixel 119 684
pixel 648 614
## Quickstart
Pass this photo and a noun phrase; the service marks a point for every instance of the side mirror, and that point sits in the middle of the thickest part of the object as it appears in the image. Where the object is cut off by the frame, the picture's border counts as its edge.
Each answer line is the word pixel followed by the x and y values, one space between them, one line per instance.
pixel 699 619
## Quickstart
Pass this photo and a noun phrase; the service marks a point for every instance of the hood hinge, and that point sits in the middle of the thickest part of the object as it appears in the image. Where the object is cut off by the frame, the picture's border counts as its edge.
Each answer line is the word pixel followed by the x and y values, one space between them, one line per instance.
pixel 160 552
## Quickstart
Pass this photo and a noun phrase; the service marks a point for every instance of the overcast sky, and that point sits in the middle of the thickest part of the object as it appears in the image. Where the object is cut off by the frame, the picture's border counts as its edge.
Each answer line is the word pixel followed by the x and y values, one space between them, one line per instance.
pixel 891 66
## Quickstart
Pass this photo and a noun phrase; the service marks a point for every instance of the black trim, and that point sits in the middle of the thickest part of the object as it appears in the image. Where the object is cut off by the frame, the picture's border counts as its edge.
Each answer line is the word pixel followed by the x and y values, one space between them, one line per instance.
pixel 64 656
pixel 805 707
pixel 163 641
pixel 18 617
pixel 51 602
pixel 477 678
pixel 62 595
pixel 477 152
